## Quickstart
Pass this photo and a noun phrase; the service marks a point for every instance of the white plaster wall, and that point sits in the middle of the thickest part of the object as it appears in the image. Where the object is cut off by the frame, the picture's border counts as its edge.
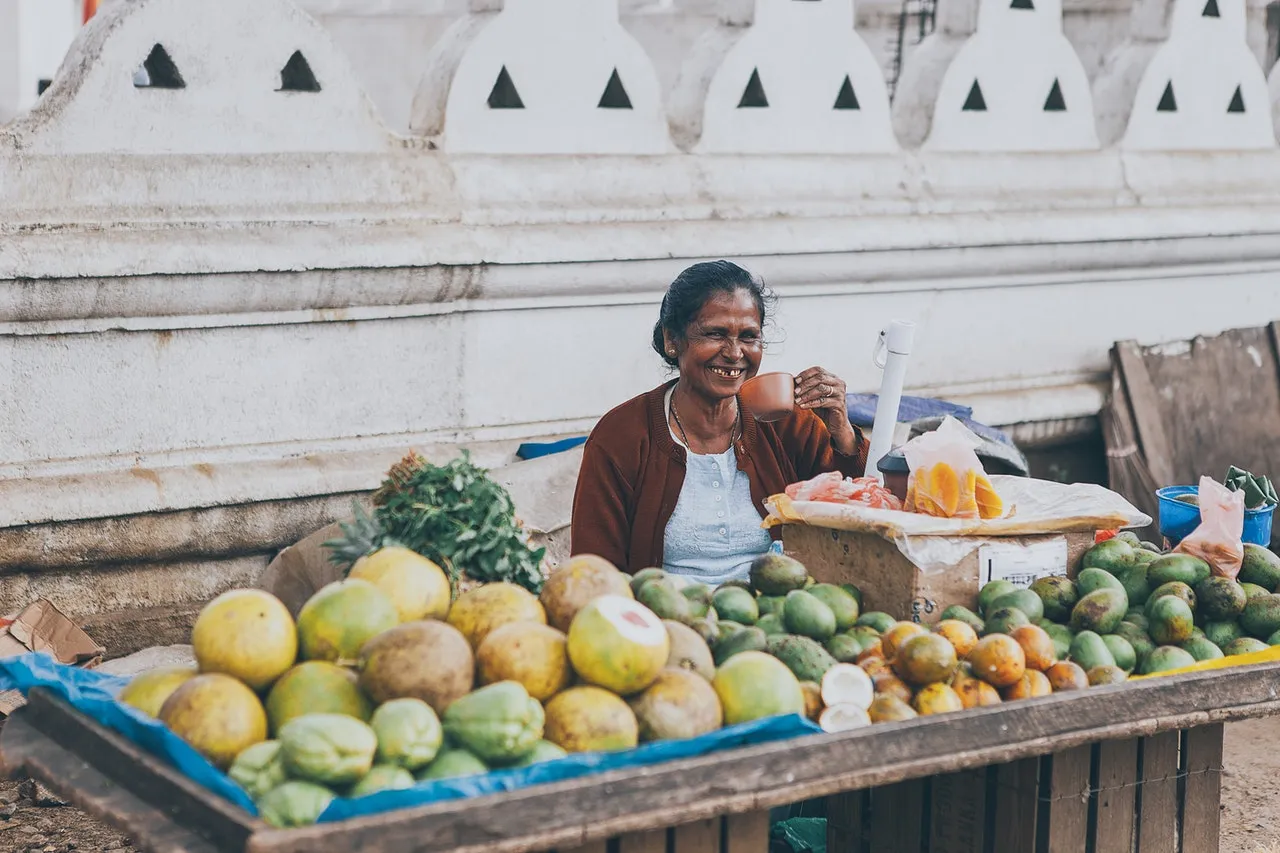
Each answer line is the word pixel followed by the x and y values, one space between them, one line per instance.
pixel 34 36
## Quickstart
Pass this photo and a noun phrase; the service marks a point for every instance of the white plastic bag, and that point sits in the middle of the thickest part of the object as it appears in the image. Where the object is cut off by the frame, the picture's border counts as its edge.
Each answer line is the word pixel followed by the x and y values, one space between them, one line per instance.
pixel 947 479
pixel 1217 540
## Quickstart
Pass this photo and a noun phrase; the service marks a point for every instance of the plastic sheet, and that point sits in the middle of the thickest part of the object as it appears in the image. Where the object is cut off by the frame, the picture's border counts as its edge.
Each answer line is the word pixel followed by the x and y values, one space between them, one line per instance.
pixel 93 693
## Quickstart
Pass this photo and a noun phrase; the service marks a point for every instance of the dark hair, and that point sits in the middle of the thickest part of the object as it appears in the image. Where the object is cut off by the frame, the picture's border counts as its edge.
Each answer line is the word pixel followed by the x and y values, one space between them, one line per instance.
pixel 691 290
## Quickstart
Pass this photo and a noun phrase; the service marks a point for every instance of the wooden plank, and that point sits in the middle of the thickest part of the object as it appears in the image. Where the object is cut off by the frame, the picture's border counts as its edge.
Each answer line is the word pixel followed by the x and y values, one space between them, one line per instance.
pixel 1116 796
pixel 30 752
pixel 1202 790
pixel 143 775
pixel 651 841
pixel 897 817
pixel 1144 403
pixel 601 846
pixel 1158 793
pixel 747 832
pixel 701 836
pixel 1017 791
pixel 1064 806
pixel 958 812
pixel 847 814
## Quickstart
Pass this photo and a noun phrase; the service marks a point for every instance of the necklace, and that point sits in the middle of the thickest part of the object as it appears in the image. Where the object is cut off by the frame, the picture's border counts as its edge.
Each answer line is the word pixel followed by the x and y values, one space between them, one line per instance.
pixel 734 433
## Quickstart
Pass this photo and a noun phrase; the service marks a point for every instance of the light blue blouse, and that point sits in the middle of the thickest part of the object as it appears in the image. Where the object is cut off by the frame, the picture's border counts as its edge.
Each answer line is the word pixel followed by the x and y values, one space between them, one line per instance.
pixel 714 532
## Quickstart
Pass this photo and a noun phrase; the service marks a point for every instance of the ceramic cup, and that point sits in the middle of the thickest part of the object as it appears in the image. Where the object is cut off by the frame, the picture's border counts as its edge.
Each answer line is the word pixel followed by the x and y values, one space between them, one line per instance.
pixel 769 396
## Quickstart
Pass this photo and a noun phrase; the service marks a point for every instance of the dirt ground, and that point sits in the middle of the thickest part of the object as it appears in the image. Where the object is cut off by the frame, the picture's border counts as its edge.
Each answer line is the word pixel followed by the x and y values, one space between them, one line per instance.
pixel 1250 805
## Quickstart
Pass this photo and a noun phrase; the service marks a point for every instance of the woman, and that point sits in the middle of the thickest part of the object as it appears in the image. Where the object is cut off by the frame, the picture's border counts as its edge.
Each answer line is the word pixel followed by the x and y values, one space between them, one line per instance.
pixel 677 477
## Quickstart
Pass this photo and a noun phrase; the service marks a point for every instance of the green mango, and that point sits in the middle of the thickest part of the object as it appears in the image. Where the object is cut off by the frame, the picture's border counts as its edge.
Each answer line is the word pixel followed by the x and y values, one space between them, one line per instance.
pixel 736 604
pixel 1166 658
pixel 750 639
pixel 1177 567
pixel 1177 589
pixel 1088 650
pixel 1061 636
pixel 963 614
pixel 1260 567
pixel 1273 640
pixel 1101 676
pixel 1090 580
pixel 1202 649
pixel 807 660
pixel 845 648
pixel 1100 611
pixel 777 574
pixel 855 592
pixel 1137 638
pixel 1122 651
pixel 1005 620
pixel 1057 596
pixel 767 604
pixel 1244 646
pixel 1021 599
pixel 1137 586
pixel 1219 598
pixel 643 576
pixel 1137 616
pixel 1112 555
pixel 841 602
pixel 1224 632
pixel 664 598
pixel 990 592
pixel 1261 616
pixel 1171 620
pixel 771 623
pixel 699 598
pixel 1130 537
pixel 1252 590
pixel 805 615
pixel 881 622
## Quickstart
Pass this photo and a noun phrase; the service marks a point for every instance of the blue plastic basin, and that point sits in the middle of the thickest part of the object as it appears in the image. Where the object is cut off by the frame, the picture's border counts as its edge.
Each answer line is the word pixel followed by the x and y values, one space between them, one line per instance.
pixel 1178 519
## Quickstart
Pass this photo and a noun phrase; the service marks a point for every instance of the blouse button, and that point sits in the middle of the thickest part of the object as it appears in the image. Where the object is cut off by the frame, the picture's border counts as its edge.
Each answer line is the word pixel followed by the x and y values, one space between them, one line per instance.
pixel 722 531
pixel 717 498
pixel 716 484
pixel 720 514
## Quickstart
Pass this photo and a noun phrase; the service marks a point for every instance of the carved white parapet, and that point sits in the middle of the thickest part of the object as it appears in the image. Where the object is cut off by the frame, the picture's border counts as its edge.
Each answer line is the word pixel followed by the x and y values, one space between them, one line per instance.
pixel 1016 85
pixel 1203 88
pixel 176 77
pixel 541 77
pixel 798 80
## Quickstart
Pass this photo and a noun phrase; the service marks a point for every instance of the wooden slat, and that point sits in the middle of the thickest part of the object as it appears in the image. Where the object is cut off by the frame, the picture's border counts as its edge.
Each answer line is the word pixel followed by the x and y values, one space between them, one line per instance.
pixel 1017 790
pixel 590 847
pixel 747 833
pixel 1065 805
pixel 958 812
pixel 1202 790
pixel 1158 793
pixel 701 836
pixel 652 841
pixel 1145 405
pixel 897 817
pixel 1116 796
pixel 846 819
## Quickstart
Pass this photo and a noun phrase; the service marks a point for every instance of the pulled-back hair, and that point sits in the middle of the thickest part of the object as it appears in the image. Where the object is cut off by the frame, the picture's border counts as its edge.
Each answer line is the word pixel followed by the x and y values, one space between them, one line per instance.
pixel 691 290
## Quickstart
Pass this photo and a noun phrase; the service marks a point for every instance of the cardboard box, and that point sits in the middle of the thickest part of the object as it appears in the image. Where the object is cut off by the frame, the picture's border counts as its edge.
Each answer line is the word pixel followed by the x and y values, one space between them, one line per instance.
pixel 42 627
pixel 892 583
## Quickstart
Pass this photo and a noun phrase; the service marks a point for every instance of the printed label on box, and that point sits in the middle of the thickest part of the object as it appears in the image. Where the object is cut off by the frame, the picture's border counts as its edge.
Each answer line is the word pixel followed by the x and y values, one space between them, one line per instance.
pixel 1022 564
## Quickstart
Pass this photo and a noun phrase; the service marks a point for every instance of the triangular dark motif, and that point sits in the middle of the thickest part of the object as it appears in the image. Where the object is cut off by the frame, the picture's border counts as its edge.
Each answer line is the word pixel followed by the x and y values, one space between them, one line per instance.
pixel 504 95
pixel 161 72
pixel 1168 103
pixel 753 95
pixel 1237 102
pixel 1055 103
pixel 615 94
pixel 847 99
pixel 1022 4
pixel 1211 10
pixel 975 103
pixel 297 76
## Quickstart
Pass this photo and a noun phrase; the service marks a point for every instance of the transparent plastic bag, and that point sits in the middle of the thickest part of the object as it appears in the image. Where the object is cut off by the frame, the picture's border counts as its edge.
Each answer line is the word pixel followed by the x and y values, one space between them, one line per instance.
pixel 947 479
pixel 1217 540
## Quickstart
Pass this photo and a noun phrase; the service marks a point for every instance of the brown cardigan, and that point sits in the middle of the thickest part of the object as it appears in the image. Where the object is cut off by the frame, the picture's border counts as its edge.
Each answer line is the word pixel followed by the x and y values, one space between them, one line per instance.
pixel 633 470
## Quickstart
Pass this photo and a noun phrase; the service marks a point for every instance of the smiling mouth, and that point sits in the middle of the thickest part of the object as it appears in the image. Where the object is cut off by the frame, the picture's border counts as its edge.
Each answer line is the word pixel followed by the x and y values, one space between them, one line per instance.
pixel 728 372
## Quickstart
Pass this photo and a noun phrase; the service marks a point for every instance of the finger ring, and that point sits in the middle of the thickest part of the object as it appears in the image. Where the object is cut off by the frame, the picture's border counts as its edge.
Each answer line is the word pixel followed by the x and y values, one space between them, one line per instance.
pixel 825 389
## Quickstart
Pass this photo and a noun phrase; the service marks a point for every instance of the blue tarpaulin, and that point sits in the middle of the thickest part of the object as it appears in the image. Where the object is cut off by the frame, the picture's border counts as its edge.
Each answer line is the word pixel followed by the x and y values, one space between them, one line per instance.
pixel 93 694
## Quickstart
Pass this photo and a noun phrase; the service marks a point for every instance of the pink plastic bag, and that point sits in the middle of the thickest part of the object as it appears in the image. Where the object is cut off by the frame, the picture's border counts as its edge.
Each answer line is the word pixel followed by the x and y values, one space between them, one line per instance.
pixel 1217 540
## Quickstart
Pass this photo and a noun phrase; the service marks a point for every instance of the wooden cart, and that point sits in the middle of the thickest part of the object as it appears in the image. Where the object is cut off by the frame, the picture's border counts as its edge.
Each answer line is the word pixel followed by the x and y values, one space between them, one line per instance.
pixel 1134 767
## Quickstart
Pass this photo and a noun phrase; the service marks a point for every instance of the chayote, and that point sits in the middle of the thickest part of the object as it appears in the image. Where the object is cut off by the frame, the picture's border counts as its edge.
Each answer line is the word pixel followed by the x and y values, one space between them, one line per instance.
pixel 295 804
pixel 259 768
pixel 383 777
pixel 409 733
pixel 450 764
pixel 500 723
pixel 331 749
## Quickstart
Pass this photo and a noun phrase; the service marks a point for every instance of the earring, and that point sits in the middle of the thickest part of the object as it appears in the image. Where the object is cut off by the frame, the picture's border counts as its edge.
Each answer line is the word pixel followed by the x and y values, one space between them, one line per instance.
pixel 671 352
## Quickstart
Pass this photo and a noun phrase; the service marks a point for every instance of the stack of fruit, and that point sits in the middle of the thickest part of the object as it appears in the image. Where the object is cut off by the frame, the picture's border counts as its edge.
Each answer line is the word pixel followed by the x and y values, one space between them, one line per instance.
pixel 386 680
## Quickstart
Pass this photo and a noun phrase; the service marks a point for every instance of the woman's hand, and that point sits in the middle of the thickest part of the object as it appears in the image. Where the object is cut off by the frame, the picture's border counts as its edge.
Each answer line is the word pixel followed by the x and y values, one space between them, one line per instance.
pixel 823 392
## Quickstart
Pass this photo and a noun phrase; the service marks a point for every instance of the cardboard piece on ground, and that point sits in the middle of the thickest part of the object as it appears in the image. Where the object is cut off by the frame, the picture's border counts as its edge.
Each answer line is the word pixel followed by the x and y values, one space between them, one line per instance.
pixel 893 583
pixel 42 627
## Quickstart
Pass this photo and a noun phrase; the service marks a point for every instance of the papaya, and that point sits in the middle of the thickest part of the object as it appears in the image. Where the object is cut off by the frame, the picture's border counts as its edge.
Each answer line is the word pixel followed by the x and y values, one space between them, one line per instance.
pixel 1252 590
pixel 1261 616
pixel 1177 589
pixel 745 640
pixel 805 615
pixel 1165 658
pixel 1201 648
pixel 1171 620
pixel 1260 567
pixel 924 659
pixel 1089 650
pixel 959 634
pixel 1122 651
pixel 806 659
pixel 890 709
pixel 1112 555
pixel 1223 632
pixel 1244 646
pixel 1057 596
pixel 840 602
pixel 1037 647
pixel 998 659
pixel 1021 599
pixel 1103 675
pixel 667 602
pixel 1183 568
pixel 1219 598
pixel 990 592
pixel 963 614
pixel 1100 611
pixel 1067 675
pixel 1006 620
pixel 736 604
pixel 1093 579
pixel 777 574
pixel 877 620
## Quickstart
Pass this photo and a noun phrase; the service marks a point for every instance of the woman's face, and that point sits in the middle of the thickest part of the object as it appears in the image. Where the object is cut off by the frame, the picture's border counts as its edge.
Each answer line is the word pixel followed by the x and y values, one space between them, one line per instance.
pixel 722 346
